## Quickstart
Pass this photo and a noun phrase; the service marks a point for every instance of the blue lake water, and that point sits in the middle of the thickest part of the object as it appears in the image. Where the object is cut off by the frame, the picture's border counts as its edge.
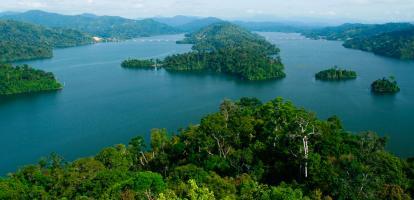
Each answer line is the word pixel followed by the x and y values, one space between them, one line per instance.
pixel 103 104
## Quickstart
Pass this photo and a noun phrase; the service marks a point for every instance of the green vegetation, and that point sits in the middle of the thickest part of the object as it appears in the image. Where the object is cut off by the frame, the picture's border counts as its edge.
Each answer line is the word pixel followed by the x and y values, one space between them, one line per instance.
pixel 23 79
pixel 336 74
pixel 385 85
pixel 23 41
pixel 399 44
pixel 393 39
pixel 101 26
pixel 227 48
pixel 247 150
pixel 144 64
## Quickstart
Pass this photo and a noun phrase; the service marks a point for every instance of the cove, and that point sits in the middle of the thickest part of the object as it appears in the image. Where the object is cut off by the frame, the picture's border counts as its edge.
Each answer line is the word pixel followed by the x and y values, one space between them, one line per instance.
pixel 103 104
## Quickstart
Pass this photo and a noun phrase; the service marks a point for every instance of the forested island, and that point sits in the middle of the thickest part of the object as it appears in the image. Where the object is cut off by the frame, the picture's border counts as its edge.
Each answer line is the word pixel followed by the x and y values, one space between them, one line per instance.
pixel 227 48
pixel 247 150
pixel 23 41
pixel 142 64
pixel 385 86
pixel 24 79
pixel 392 39
pixel 336 74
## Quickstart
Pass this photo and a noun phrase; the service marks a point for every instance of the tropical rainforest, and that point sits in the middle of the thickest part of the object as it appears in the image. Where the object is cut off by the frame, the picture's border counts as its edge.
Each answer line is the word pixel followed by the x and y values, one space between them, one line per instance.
pixel 24 79
pixel 385 85
pixel 143 64
pixel 23 41
pixel 336 74
pixel 101 26
pixel 227 48
pixel 246 150
pixel 392 39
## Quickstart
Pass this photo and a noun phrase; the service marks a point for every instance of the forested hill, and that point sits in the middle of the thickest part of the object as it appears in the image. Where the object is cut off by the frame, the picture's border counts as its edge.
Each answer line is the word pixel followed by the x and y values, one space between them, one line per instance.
pixel 227 48
pixel 247 150
pixel 226 35
pixel 23 41
pixel 393 39
pixel 398 44
pixel 101 26
pixel 350 31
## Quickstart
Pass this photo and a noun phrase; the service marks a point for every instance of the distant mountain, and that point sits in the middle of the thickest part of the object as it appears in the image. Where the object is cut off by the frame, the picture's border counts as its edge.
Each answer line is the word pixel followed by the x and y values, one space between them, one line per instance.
pixel 178 20
pixel 349 31
pixel 396 44
pixel 272 26
pixel 101 26
pixel 8 13
pixel 24 41
pixel 198 24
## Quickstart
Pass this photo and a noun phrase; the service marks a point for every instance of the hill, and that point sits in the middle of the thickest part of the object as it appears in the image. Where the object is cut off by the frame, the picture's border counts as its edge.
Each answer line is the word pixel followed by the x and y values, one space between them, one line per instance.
pixel 227 48
pixel 246 150
pixel 101 26
pixel 175 21
pixel 23 41
pixel 198 24
pixel 350 31
pixel 397 44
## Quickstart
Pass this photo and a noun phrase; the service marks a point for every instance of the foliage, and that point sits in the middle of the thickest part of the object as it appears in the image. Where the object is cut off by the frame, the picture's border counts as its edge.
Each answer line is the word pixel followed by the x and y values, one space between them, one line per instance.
pixel 398 44
pixel 227 48
pixel 102 26
pixel 23 41
pixel 23 79
pixel 247 150
pixel 392 39
pixel 143 64
pixel 336 74
pixel 385 85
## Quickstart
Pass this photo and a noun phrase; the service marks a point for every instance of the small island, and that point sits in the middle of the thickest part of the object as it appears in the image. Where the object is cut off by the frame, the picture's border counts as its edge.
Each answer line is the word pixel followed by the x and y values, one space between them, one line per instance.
pixel 335 74
pixel 24 79
pixel 385 86
pixel 143 64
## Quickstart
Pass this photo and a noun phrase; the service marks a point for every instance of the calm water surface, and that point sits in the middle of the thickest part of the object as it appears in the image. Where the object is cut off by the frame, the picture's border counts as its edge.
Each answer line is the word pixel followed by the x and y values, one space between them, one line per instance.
pixel 103 104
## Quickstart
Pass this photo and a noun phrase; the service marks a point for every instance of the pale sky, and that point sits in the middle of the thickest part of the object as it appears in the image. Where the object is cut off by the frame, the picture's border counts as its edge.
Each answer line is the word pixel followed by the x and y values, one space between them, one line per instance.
pixel 358 10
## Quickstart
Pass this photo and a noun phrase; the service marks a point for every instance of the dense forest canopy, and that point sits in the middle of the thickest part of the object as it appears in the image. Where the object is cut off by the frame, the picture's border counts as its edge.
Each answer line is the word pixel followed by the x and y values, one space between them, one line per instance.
pixel 23 41
pixel 336 74
pixel 392 39
pixel 247 150
pixel 24 79
pixel 398 44
pixel 227 48
pixel 385 86
pixel 142 64
pixel 101 26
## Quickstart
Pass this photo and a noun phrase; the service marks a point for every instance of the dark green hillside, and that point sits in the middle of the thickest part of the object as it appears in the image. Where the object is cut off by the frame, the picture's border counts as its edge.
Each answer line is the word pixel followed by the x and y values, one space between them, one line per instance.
pixel 247 150
pixel 23 79
pixel 227 48
pixel 102 26
pixel 398 44
pixel 23 41
pixel 350 31
pixel 197 24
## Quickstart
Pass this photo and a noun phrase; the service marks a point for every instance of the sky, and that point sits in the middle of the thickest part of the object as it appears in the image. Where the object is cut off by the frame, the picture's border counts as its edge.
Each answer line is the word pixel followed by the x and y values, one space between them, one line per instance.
pixel 264 10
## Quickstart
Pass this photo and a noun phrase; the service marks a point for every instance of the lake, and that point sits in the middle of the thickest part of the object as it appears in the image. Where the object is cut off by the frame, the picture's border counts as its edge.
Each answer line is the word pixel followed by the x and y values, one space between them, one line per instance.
pixel 103 104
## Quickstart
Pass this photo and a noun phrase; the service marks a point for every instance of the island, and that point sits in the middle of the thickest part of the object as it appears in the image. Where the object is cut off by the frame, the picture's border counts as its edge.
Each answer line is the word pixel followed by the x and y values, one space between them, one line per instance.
pixel 385 86
pixel 143 64
pixel 24 79
pixel 246 150
pixel 226 48
pixel 335 74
